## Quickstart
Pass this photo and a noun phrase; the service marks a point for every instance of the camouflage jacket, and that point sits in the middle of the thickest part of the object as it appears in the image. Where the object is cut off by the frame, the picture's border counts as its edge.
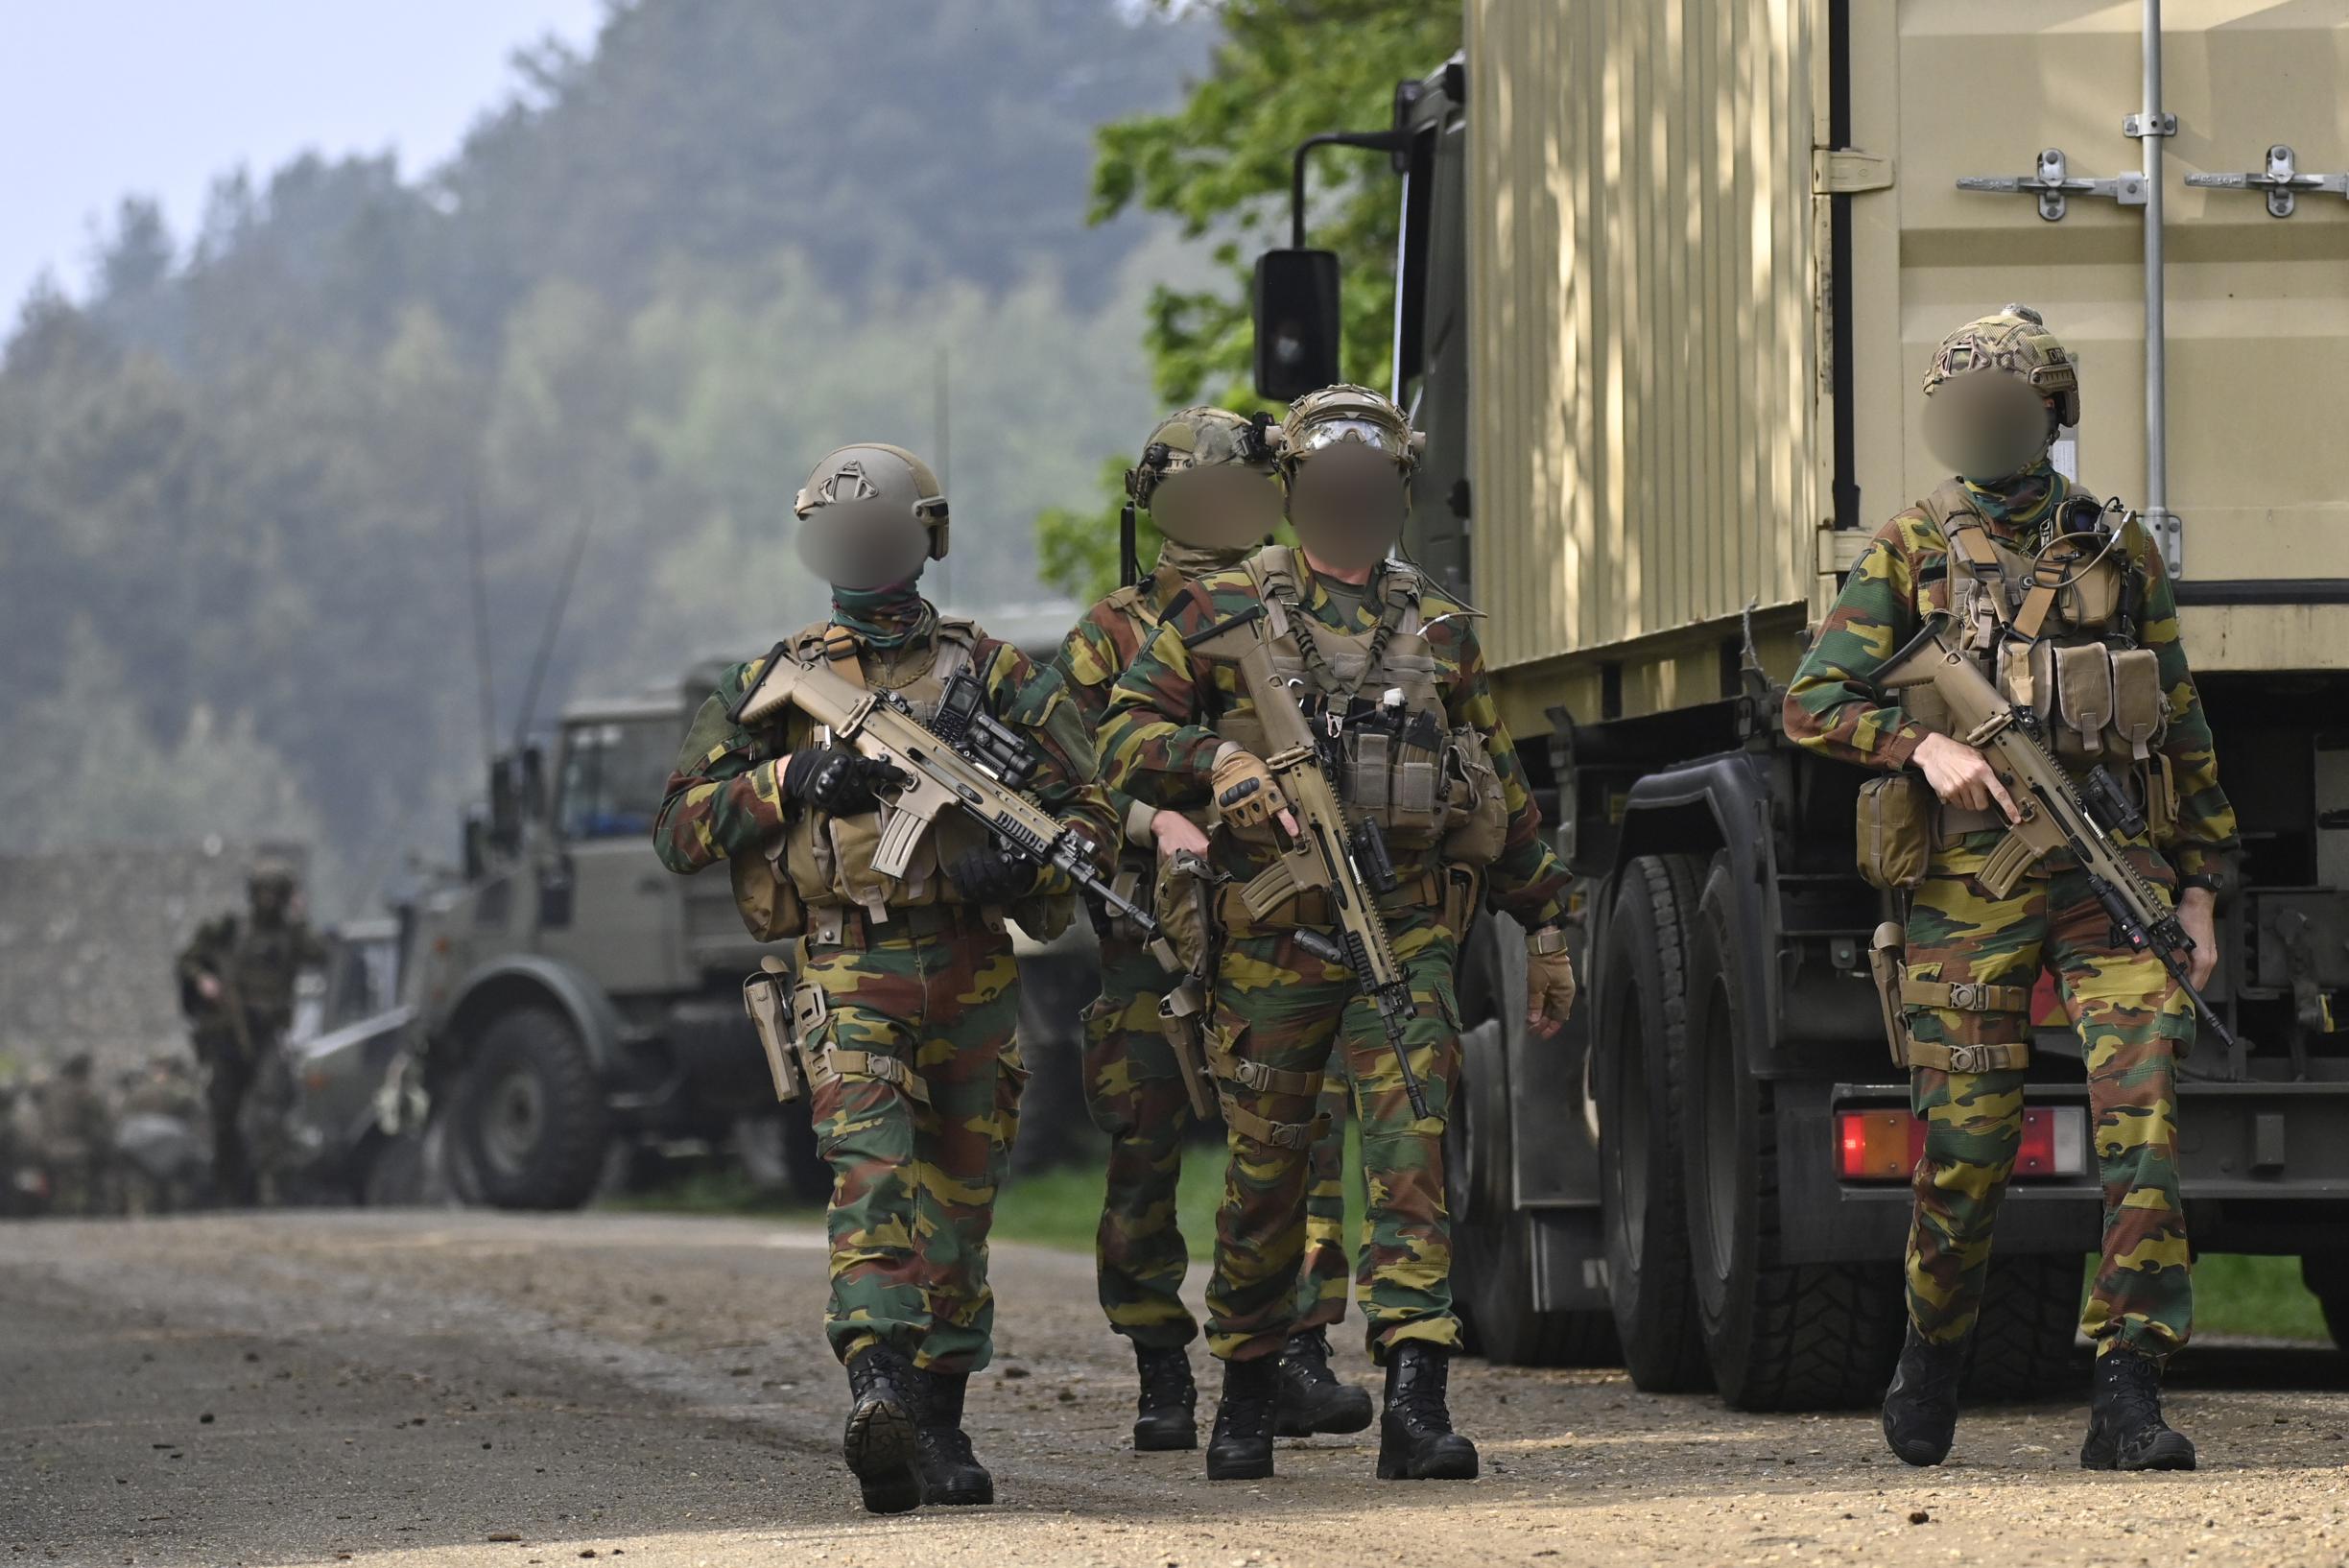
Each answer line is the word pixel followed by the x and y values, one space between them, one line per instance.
pixel 1834 708
pixel 261 963
pixel 726 796
pixel 1157 740
pixel 1097 650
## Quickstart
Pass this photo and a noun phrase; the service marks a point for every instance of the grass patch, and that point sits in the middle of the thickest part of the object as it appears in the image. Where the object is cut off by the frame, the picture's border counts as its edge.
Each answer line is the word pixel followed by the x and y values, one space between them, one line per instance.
pixel 2257 1297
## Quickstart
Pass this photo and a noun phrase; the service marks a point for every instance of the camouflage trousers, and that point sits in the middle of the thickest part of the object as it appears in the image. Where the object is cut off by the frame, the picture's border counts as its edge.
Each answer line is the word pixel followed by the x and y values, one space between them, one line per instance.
pixel 1331 1269
pixel 2133 1021
pixel 913 1184
pixel 1280 1008
pixel 1135 1091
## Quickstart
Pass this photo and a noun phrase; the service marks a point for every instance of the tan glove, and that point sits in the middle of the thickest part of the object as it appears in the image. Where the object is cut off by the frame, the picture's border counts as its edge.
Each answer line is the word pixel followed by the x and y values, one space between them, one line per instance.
pixel 1550 979
pixel 1246 791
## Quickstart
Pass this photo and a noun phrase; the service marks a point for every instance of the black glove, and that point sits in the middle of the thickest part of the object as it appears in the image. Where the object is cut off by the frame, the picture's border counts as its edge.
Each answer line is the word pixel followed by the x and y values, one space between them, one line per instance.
pixel 993 876
pixel 839 781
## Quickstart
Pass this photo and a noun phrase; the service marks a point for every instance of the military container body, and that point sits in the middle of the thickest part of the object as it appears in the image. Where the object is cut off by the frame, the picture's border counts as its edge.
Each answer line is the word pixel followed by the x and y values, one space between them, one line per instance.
pixel 1671 276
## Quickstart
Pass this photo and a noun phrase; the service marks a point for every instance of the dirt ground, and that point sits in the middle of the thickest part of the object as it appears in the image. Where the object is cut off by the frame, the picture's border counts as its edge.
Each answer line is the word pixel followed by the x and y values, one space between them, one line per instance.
pixel 434 1387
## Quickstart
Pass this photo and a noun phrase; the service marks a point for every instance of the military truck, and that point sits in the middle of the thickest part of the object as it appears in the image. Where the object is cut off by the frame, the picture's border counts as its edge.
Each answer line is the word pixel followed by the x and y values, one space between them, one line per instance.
pixel 1669 280
pixel 575 1002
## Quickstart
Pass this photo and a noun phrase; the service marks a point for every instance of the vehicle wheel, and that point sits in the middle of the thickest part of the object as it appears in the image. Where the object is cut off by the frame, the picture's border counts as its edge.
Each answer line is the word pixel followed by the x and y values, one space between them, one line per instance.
pixel 1779 1335
pixel 2025 1337
pixel 2328 1280
pixel 1641 1008
pixel 1492 1244
pixel 530 1114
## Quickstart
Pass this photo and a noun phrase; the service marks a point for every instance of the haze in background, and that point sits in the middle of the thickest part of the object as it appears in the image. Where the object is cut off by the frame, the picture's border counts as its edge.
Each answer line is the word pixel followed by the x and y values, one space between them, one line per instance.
pixel 100 99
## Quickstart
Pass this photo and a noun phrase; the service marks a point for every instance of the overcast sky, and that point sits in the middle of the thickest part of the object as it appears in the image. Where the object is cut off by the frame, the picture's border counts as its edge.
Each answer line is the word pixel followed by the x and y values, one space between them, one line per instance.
pixel 100 99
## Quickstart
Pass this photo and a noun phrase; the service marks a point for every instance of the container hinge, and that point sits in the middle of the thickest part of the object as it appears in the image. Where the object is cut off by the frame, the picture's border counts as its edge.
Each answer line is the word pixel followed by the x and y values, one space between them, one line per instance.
pixel 2053 183
pixel 1843 171
pixel 2282 181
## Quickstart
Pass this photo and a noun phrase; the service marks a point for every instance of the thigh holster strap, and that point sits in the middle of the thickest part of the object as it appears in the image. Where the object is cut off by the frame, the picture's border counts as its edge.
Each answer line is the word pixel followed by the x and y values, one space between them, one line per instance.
pixel 1256 1076
pixel 1294 1135
pixel 1964 995
pixel 873 1065
pixel 1969 1059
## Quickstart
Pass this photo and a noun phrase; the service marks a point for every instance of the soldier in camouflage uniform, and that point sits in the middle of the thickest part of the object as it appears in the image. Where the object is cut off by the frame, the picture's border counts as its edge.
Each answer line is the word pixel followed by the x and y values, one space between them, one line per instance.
pixel 1207 480
pixel 2078 618
pixel 236 988
pixel 1428 759
pixel 907 990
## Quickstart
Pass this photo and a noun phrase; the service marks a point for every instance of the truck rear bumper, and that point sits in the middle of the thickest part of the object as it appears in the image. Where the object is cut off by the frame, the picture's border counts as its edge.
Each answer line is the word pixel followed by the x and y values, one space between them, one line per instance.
pixel 2264 1167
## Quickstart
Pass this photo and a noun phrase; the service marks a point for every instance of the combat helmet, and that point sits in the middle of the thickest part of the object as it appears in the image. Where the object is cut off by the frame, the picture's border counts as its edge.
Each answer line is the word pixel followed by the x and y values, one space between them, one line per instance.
pixel 1203 438
pixel 1346 415
pixel 878 480
pixel 2014 342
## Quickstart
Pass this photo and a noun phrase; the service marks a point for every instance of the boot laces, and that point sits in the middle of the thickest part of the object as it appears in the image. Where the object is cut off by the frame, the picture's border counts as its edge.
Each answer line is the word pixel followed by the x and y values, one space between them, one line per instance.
pixel 2134 1386
pixel 1930 1371
pixel 950 1444
pixel 1307 1358
pixel 1166 1378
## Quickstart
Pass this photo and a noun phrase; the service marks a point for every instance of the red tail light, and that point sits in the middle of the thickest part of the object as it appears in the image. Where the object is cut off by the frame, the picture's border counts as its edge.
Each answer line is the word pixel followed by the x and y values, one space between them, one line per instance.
pixel 1885 1144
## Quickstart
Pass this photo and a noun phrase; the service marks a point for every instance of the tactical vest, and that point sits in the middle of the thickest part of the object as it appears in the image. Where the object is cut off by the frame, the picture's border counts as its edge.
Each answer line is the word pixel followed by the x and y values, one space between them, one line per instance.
pixel 826 859
pixel 2057 632
pixel 1424 783
pixel 263 962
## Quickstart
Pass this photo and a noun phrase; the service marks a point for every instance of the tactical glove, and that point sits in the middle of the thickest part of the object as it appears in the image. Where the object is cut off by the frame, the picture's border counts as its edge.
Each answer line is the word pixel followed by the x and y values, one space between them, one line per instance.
pixel 1550 977
pixel 993 876
pixel 1244 789
pixel 836 780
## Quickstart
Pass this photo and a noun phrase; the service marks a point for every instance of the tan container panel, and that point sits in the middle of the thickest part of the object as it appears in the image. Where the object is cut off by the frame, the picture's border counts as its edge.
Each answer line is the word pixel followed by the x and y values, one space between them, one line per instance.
pixel 2258 306
pixel 1649 448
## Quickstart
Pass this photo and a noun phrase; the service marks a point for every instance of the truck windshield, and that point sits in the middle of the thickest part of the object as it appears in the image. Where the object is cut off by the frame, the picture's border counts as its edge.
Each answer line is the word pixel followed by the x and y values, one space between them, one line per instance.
pixel 614 773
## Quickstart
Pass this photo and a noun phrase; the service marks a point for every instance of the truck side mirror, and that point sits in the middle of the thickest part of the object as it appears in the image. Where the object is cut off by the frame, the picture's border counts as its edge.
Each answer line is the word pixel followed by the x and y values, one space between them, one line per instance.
pixel 1296 322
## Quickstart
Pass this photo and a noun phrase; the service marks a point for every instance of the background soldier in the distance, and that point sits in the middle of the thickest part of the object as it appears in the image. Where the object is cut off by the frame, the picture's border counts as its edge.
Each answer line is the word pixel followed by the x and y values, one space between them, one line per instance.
pixel 907 991
pixel 236 988
pixel 2102 661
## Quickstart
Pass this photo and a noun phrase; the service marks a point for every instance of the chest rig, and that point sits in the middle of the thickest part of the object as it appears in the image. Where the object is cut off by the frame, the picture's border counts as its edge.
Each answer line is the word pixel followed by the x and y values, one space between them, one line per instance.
pixel 827 859
pixel 1377 698
pixel 2057 630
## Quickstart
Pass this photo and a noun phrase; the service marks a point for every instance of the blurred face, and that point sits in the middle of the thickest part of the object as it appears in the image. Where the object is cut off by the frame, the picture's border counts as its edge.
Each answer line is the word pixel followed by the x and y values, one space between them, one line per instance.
pixel 1987 426
pixel 861 545
pixel 271 898
pixel 1348 504
pixel 1226 506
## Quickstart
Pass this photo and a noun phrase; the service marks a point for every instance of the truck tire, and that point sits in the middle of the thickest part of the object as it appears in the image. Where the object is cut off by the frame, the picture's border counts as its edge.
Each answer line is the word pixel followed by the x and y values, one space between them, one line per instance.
pixel 1642 1012
pixel 1492 1244
pixel 2025 1343
pixel 1779 1335
pixel 530 1113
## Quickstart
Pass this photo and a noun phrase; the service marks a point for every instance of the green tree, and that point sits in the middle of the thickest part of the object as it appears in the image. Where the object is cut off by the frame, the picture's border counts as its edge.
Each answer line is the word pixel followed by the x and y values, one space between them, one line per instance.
pixel 1283 70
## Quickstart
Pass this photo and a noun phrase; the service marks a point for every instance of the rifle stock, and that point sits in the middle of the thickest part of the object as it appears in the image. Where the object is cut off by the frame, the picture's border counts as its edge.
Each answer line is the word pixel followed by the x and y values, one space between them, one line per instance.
pixel 2055 813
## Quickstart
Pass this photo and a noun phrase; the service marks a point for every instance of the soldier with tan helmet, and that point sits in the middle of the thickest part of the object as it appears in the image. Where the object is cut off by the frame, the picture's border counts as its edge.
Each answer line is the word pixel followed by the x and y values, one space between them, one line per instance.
pixel 2066 606
pixel 1390 672
pixel 236 988
pixel 905 993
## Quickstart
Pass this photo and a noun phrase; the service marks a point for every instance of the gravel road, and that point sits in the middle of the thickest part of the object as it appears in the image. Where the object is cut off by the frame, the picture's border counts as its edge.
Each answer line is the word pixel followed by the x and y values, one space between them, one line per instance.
pixel 433 1388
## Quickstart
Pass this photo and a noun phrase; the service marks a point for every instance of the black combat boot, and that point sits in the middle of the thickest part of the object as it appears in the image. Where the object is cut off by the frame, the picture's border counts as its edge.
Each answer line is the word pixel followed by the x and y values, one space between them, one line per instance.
pixel 1920 1408
pixel 2126 1429
pixel 1312 1399
pixel 1168 1413
pixel 881 1443
pixel 1416 1442
pixel 950 1472
pixel 1241 1446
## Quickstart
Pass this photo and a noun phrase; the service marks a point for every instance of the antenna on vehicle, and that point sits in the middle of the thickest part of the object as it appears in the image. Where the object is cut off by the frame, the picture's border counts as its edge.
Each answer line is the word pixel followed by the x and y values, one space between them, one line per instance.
pixel 554 626
pixel 481 628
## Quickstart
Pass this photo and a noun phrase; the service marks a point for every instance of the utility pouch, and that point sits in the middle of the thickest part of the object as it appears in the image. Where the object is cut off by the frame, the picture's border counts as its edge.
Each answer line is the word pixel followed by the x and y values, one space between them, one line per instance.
pixel 1885 951
pixel 767 997
pixel 769 906
pixel 2161 799
pixel 2085 696
pixel 1478 809
pixel 1893 822
pixel 1464 897
pixel 2139 710
pixel 1182 1018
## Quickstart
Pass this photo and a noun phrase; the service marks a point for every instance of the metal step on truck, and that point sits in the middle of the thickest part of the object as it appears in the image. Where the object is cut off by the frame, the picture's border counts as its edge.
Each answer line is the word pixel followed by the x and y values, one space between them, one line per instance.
pixel 1669 276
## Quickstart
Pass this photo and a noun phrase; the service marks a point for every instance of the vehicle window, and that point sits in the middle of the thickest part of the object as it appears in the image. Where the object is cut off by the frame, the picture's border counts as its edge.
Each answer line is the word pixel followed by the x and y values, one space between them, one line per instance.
pixel 614 773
